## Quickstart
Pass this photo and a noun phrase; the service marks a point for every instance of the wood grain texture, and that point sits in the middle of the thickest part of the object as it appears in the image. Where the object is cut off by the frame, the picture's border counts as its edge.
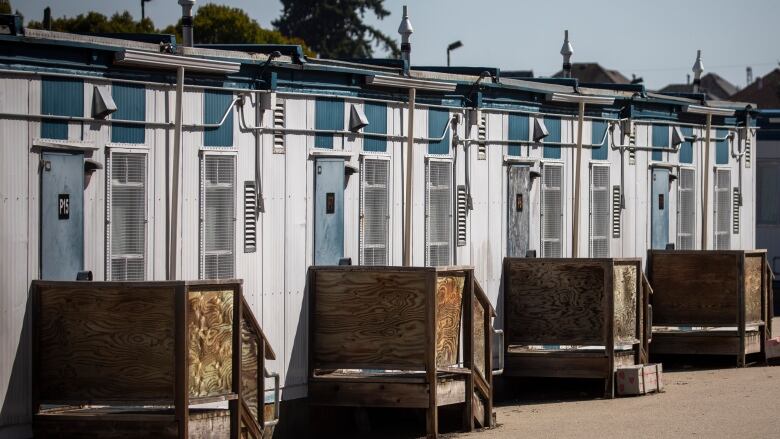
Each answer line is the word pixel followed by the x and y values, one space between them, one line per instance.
pixel 754 266
pixel 479 338
pixel 250 353
pixel 369 317
pixel 106 344
pixel 626 296
pixel 554 302
pixel 694 288
pixel 449 310
pixel 210 328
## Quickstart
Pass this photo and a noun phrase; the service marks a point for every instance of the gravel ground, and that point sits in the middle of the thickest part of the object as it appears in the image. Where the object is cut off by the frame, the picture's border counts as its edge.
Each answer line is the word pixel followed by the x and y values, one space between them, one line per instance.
pixel 722 402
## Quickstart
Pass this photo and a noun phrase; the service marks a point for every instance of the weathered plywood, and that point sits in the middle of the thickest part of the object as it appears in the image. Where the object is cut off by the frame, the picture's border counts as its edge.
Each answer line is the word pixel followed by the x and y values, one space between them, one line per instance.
pixel 250 352
pixel 106 343
pixel 369 318
pixel 555 302
pixel 210 327
pixel 449 310
pixel 691 288
pixel 479 338
pixel 754 266
pixel 626 295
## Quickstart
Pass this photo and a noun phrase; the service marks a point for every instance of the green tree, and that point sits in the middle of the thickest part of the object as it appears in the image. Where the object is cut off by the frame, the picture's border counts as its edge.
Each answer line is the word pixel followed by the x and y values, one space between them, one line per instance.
pixel 218 24
pixel 94 22
pixel 5 6
pixel 335 28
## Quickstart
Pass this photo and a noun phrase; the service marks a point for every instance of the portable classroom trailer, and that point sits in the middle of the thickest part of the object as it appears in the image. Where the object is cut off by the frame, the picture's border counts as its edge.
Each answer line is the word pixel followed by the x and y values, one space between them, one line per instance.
pixel 273 181
pixel 767 187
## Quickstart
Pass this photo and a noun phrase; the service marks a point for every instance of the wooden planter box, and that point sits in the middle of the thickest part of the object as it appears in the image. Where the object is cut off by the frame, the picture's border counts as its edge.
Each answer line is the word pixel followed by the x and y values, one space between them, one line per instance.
pixel 111 358
pixel 574 318
pixel 391 337
pixel 710 302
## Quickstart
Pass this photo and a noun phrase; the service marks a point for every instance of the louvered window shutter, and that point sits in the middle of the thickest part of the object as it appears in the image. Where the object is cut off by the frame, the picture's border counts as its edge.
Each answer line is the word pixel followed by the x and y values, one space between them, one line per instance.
pixel 438 213
pixel 599 212
pixel 722 209
pixel 218 219
pixel 126 216
pixel 686 210
pixel 374 212
pixel 552 210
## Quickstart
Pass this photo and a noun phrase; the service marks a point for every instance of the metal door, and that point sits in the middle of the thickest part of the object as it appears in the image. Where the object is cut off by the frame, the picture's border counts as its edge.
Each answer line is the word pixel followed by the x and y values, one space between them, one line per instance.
pixel 328 211
pixel 62 215
pixel 659 209
pixel 519 209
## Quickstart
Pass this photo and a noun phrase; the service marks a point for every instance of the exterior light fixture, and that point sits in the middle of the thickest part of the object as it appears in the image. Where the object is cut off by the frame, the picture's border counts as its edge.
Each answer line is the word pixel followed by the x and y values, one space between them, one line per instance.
pixel 540 130
pixel 451 47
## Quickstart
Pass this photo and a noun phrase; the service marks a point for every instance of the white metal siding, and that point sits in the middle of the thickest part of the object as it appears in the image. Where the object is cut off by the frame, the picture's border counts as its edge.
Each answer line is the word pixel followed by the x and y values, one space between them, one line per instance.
pixel 218 219
pixel 722 209
pixel 552 210
pixel 686 209
pixel 600 210
pixel 438 213
pixel 127 216
pixel 374 214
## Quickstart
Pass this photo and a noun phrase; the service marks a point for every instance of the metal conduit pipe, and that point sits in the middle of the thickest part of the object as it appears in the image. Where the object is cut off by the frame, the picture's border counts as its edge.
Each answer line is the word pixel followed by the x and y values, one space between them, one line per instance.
pixel 407 247
pixel 705 186
pixel 173 246
pixel 533 142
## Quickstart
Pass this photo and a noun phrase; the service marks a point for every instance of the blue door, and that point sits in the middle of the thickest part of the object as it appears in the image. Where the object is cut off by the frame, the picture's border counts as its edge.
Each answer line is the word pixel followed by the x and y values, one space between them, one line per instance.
pixel 62 215
pixel 328 211
pixel 659 209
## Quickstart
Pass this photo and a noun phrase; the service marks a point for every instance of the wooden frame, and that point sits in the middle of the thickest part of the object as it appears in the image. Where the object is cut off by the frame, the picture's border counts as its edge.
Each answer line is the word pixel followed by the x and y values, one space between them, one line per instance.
pixel 137 348
pixel 399 337
pixel 704 293
pixel 579 303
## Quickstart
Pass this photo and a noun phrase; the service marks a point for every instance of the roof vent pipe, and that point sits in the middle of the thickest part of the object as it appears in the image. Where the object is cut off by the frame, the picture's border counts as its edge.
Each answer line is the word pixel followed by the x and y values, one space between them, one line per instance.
pixel 406 30
pixel 567 52
pixel 186 21
pixel 698 69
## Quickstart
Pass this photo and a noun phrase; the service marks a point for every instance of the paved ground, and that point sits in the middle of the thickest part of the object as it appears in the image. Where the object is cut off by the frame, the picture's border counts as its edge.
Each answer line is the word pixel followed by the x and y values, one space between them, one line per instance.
pixel 721 402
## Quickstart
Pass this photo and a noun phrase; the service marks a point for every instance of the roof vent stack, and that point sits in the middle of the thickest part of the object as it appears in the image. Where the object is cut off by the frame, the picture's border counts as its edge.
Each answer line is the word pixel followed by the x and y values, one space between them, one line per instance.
pixel 406 30
pixel 567 51
pixel 186 21
pixel 698 69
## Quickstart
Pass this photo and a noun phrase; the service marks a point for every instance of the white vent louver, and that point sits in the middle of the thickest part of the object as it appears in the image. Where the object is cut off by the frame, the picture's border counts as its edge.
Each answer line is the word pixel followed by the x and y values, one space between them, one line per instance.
pixel 616 210
pixel 686 209
pixel 438 213
pixel 747 150
pixel 279 122
pixel 250 216
pixel 126 216
pixel 462 215
pixel 374 212
pixel 552 210
pixel 722 209
pixel 217 221
pixel 599 212
pixel 482 139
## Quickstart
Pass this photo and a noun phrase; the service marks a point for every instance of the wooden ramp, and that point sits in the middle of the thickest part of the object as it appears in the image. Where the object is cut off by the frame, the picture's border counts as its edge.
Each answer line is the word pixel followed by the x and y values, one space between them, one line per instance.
pixel 136 359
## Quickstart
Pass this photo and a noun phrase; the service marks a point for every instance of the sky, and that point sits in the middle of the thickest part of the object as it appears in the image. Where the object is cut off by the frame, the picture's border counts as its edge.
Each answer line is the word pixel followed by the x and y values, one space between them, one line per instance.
pixel 655 40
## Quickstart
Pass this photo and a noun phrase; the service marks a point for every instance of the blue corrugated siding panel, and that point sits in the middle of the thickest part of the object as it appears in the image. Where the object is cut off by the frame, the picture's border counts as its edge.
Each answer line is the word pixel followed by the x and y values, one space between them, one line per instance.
pixel 686 149
pixel 437 121
pixel 518 130
pixel 376 113
pixel 328 115
pixel 722 148
pixel 130 100
pixel 660 139
pixel 553 125
pixel 61 97
pixel 598 128
pixel 214 106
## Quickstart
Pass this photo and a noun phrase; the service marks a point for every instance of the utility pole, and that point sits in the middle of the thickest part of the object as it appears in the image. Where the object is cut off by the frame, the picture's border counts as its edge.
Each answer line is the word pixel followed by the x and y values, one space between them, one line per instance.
pixel 143 9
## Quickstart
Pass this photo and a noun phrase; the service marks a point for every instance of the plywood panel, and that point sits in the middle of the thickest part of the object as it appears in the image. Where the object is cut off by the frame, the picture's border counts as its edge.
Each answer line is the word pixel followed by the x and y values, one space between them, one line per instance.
pixel 210 326
pixel 106 344
pixel 250 352
pixel 754 265
pixel 369 318
pixel 555 302
pixel 690 288
pixel 624 288
pixel 449 310
pixel 479 338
